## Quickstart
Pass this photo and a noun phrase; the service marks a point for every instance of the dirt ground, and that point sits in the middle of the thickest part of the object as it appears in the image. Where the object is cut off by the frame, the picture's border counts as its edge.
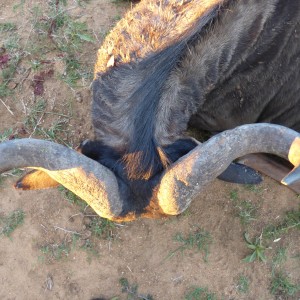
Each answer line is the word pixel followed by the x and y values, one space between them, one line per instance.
pixel 55 254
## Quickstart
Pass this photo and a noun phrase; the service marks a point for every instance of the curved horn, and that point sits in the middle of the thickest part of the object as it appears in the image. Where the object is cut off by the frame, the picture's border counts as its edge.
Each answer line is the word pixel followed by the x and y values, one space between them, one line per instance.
pixel 184 180
pixel 86 178
pixel 179 185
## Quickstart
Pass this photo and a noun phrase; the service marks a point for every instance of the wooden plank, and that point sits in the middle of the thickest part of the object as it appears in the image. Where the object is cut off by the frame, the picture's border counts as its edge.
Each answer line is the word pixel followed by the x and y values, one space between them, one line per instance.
pixel 270 167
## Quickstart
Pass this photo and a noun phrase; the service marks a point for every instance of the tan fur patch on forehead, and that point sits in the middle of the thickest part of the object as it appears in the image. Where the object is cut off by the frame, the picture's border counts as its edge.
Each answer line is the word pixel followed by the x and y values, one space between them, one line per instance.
pixel 149 27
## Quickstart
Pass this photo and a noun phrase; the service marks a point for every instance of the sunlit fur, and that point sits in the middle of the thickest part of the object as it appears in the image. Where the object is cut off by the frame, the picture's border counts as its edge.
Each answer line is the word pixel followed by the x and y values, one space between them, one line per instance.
pixel 213 64
pixel 36 180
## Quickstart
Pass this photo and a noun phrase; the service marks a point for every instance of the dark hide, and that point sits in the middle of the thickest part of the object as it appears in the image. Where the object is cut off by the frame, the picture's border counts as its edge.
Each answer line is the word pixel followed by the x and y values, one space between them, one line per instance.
pixel 255 78
pixel 236 62
pixel 135 193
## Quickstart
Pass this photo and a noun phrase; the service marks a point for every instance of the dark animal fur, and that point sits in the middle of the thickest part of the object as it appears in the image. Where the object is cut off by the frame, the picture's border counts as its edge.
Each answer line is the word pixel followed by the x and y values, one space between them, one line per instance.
pixel 213 64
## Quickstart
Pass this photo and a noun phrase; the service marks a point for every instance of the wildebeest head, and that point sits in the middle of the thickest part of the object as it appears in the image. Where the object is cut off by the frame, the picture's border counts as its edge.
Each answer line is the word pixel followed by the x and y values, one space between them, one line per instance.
pixel 136 136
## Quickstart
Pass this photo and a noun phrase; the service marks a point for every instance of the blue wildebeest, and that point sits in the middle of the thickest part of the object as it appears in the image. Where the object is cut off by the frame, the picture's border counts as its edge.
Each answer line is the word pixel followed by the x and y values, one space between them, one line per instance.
pixel 210 64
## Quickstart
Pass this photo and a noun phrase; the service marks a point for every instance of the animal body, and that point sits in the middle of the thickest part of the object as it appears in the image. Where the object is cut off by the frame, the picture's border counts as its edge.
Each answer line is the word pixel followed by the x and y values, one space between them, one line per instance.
pixel 168 64
pixel 210 64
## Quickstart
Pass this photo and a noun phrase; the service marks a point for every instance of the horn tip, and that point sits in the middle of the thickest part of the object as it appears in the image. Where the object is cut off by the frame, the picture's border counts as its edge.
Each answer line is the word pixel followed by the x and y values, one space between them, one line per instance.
pixel 292 177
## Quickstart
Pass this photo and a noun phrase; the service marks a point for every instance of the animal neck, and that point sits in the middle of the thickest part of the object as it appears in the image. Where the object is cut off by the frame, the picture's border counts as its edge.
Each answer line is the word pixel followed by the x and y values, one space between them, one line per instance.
pixel 138 97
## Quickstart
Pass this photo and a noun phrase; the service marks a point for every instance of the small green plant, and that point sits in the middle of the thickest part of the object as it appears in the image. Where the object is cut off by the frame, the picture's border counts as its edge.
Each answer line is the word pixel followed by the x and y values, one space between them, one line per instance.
pixel 11 222
pixel 290 221
pixel 13 172
pixel 186 213
pixel 66 36
pixel 117 18
pixel 200 293
pixel 16 172
pixel 245 209
pixel 89 247
pixel 256 188
pixel 20 5
pixel 7 27
pixel 102 228
pixel 12 45
pixel 200 240
pixel 35 115
pixel 61 33
pixel 4 90
pixel 9 62
pixel 279 257
pixel 5 135
pixel 61 250
pixel 34 121
pixel 48 20
pixel 71 197
pixel 54 31
pixel 75 35
pixel 234 196
pixel 55 251
pixel 258 250
pixel 282 286
pixel 243 284
pixel 82 2
pixel 54 132
pixel 132 291
pixel 120 1
pixel 75 71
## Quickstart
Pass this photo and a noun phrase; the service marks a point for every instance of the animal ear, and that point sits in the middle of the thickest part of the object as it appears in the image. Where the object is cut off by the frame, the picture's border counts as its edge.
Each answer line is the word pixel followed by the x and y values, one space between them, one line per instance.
pixel 36 180
pixel 238 173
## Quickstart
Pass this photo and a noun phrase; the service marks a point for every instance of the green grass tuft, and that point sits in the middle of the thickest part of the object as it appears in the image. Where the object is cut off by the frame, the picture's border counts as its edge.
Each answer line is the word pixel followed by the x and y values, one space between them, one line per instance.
pixel 33 118
pixel 75 71
pixel 11 222
pixel 255 188
pixel 13 172
pixel 55 251
pixel 234 196
pixel 72 198
pixel 290 221
pixel 200 293
pixel 282 286
pixel 199 240
pixel 61 250
pixel 245 209
pixel 4 27
pixel 102 228
pixel 5 135
pixel 132 291
pixel 279 257
pixel 243 284
pixel 14 54
pixel 89 247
